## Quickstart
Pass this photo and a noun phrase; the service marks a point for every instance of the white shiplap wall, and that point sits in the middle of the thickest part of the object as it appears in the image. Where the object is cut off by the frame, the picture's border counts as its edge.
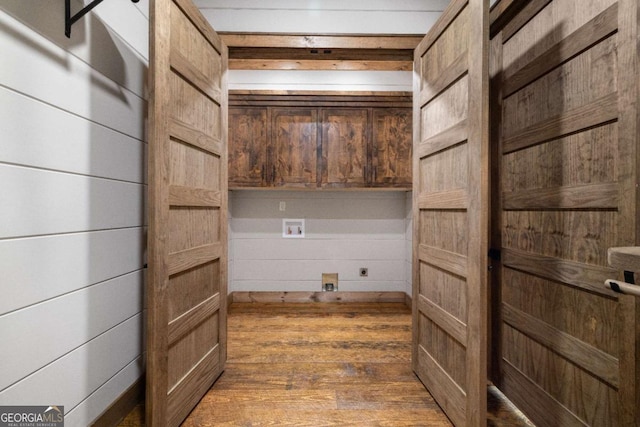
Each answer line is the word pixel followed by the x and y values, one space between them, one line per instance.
pixel 344 231
pixel 72 204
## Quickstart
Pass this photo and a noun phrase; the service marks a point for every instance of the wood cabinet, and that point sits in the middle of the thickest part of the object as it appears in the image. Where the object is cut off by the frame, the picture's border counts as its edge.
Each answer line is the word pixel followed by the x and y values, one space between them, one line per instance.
pixel 392 145
pixel 248 131
pixel 313 141
pixel 294 147
pixel 345 147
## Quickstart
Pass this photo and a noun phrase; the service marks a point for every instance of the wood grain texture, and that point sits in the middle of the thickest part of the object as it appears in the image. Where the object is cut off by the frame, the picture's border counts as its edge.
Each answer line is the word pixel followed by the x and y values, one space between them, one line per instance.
pixel 313 65
pixel 449 395
pixel 442 200
pixel 320 41
pixel 450 261
pixel 590 358
pixel 532 397
pixel 595 196
pixel 560 270
pixel 523 16
pixel 624 258
pixel 333 141
pixel 188 320
pixel 452 325
pixel 188 205
pixel 355 58
pixel 187 196
pixel 601 111
pixel 342 364
pixel 305 297
pixel 249 133
pixel 586 36
pixel 564 79
pixel 451 207
pixel 346 147
pixel 445 139
pixel 392 148
pixel 445 78
pixel 629 87
pixel 295 147
pixel 123 406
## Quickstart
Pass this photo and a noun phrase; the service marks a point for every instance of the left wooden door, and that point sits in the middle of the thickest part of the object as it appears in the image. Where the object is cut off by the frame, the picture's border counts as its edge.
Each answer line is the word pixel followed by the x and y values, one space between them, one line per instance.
pixel 187 240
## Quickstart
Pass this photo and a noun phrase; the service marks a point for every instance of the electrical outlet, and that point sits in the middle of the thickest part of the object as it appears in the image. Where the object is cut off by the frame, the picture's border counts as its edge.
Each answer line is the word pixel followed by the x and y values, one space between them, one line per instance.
pixel 364 272
pixel 283 206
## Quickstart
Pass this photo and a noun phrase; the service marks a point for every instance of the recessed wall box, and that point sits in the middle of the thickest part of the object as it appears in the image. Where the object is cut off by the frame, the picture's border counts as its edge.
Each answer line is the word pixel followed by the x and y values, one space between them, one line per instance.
pixel 329 282
pixel 293 228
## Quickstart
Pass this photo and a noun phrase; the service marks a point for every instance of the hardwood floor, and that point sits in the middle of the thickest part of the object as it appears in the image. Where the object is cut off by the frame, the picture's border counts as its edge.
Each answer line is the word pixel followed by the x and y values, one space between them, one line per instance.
pixel 320 364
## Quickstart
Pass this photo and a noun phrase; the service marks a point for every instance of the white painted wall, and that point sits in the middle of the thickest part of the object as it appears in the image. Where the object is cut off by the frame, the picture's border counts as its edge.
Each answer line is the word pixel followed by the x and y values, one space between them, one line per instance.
pixel 344 231
pixel 323 17
pixel 72 210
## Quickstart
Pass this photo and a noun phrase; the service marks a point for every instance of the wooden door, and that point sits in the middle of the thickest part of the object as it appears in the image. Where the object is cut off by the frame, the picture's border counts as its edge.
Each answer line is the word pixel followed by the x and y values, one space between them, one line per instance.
pixel 248 141
pixel 187 243
pixel 345 147
pixel 392 148
pixel 294 145
pixel 450 211
pixel 566 79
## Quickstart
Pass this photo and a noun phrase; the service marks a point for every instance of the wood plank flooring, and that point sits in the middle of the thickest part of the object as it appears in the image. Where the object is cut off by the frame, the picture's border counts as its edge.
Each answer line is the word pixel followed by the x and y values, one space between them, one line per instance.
pixel 320 364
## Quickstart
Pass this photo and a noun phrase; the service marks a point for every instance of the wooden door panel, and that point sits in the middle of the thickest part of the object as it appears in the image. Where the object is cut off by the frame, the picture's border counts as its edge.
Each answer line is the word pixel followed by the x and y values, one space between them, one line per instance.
pixel 294 158
pixel 450 182
pixel 187 211
pixel 392 148
pixel 248 141
pixel 566 184
pixel 345 147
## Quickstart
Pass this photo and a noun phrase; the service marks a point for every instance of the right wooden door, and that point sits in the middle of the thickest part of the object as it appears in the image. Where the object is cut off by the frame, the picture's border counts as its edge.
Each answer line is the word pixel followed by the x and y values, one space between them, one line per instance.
pixel 565 79
pixel 451 211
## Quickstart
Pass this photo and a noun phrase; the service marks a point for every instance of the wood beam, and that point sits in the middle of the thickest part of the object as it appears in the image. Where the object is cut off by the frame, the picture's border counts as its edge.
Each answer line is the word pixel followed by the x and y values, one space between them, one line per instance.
pixel 248 51
pixel 321 41
pixel 281 64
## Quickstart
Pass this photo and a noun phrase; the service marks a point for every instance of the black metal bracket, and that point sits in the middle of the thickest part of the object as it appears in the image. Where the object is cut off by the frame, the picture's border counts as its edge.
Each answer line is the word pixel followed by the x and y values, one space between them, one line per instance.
pixel 70 20
pixel 628 277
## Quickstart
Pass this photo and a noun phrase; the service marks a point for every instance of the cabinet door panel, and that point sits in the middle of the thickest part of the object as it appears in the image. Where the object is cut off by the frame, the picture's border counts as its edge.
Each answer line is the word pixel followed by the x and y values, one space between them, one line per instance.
pixel 294 147
pixel 345 142
pixel 392 148
pixel 248 140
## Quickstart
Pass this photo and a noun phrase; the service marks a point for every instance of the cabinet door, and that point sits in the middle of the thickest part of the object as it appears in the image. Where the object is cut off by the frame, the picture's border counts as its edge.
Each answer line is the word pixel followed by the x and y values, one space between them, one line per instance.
pixel 392 147
pixel 248 140
pixel 345 141
pixel 294 148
